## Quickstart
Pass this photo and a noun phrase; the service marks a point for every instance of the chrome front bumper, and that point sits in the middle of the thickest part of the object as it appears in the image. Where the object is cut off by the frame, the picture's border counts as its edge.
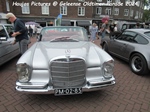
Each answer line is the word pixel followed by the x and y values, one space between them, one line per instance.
pixel 43 88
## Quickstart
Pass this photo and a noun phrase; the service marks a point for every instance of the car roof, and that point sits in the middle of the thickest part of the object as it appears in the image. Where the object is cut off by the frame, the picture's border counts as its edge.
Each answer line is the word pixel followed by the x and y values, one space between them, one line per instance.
pixel 138 30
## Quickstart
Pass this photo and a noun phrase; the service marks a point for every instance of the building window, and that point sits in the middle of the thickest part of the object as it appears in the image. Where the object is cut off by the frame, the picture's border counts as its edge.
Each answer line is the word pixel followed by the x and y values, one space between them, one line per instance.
pixel 45 10
pixel 116 11
pixel 126 12
pixel 108 11
pixel 98 10
pixel 25 10
pixel 81 11
pixel 81 0
pixel 138 3
pixel 137 13
pixel 63 10
pixel 127 1
pixel 7 5
pixel 131 13
pixel 141 15
pixel 141 5
pixel 117 1
pixel 108 1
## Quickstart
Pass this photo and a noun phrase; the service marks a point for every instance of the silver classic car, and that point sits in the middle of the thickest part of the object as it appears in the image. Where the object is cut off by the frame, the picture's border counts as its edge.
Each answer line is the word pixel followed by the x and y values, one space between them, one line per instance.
pixel 64 62
pixel 7 50
pixel 132 46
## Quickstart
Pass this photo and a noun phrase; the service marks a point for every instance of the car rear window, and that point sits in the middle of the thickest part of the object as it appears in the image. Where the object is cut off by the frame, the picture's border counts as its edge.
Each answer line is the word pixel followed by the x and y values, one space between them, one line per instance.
pixel 147 33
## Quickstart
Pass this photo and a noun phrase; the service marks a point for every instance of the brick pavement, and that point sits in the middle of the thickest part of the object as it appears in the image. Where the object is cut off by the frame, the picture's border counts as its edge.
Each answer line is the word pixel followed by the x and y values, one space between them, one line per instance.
pixel 130 94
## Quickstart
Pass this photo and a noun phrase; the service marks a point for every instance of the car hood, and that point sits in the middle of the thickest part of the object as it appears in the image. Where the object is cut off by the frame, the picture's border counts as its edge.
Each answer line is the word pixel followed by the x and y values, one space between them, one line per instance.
pixel 41 53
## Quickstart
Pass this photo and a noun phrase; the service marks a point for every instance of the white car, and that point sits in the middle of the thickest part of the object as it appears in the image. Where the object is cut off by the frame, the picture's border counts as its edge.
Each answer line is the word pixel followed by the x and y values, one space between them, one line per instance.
pixel 64 62
pixel 39 28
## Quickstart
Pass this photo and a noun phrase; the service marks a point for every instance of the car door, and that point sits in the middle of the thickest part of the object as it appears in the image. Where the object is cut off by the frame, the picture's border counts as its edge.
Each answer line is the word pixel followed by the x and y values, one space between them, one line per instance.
pixel 121 46
pixel 117 45
pixel 9 29
pixel 7 50
pixel 4 45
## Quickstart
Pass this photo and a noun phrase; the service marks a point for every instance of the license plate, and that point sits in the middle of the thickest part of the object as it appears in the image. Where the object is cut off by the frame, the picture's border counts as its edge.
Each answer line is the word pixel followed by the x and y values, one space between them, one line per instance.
pixel 68 91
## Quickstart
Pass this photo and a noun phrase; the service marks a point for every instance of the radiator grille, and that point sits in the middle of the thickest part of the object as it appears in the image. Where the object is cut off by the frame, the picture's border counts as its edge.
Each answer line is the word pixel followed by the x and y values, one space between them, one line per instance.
pixel 67 74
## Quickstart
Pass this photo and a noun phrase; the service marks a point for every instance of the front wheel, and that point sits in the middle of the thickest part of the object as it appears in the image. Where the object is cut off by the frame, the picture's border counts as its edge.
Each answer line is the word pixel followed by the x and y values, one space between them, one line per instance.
pixel 138 64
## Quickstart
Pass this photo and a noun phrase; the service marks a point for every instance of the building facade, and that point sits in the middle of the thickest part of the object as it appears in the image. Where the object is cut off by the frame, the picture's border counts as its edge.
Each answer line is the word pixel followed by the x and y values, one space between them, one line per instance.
pixel 74 12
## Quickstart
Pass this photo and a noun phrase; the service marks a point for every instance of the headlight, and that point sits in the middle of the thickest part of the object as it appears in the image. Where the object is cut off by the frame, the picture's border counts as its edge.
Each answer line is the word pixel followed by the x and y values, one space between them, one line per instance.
pixel 23 71
pixel 108 68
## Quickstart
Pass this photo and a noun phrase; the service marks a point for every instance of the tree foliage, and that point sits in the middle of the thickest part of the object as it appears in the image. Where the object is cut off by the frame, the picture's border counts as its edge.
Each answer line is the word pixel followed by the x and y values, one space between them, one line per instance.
pixel 146 15
pixel 147 4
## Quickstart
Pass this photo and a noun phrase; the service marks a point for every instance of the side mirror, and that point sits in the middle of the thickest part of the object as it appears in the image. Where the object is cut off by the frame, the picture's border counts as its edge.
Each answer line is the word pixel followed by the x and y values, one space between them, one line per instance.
pixel 3 38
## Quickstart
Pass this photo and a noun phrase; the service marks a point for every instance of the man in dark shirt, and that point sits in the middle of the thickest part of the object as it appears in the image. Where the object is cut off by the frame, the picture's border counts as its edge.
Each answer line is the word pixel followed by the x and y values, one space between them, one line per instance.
pixel 20 32
pixel 111 29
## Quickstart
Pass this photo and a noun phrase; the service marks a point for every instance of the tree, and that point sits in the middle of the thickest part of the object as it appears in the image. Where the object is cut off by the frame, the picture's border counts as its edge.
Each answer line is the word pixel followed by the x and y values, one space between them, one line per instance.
pixel 146 3
pixel 146 15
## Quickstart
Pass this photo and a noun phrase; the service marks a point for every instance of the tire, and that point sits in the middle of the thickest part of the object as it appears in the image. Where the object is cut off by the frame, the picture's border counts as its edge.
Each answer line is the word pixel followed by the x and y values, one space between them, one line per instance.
pixel 105 47
pixel 138 64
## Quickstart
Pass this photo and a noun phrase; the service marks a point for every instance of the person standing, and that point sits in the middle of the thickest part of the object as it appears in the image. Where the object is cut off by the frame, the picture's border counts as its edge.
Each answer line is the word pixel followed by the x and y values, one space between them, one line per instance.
pixel 35 30
pixel 115 28
pixel 111 29
pixel 137 25
pixel 30 31
pixel 93 31
pixel 20 32
pixel 103 28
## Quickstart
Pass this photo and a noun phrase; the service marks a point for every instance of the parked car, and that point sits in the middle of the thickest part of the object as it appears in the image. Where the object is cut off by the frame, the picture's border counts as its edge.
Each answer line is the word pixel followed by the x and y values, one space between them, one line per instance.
pixel 123 25
pixel 132 46
pixel 7 50
pixel 39 28
pixel 147 25
pixel 64 62
pixel 131 26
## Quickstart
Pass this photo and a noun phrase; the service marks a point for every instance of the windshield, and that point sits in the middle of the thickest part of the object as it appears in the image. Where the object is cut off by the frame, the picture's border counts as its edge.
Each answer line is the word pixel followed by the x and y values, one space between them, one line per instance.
pixel 55 34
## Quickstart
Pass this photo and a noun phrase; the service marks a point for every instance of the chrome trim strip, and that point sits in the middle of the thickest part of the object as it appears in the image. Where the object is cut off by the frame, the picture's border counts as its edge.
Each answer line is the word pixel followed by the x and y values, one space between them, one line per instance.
pixel 50 90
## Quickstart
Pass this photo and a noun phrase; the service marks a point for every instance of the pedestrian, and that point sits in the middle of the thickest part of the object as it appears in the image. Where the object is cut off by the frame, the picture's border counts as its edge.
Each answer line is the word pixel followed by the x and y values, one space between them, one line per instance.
pixel 111 29
pixel 116 31
pixel 94 32
pixel 115 28
pixel 137 25
pixel 20 32
pixel 103 28
pixel 35 30
pixel 30 31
